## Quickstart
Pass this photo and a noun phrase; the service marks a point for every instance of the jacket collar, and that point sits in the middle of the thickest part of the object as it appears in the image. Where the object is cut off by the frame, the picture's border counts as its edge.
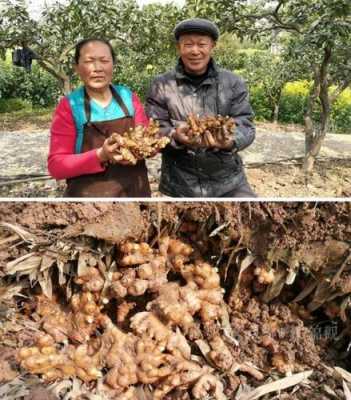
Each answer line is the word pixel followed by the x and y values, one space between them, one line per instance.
pixel 212 72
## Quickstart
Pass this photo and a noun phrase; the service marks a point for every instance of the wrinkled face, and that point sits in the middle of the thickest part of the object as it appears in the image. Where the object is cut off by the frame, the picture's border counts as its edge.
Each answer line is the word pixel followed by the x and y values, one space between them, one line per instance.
pixel 195 51
pixel 95 66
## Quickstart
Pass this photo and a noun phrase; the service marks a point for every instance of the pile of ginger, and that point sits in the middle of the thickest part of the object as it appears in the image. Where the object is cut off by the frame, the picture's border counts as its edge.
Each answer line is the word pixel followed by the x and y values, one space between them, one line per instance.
pixel 138 143
pixel 206 131
pixel 141 142
pixel 138 321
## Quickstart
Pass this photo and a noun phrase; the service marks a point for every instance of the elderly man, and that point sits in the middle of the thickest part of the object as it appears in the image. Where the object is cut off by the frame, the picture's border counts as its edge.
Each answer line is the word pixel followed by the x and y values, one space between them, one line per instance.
pixel 199 87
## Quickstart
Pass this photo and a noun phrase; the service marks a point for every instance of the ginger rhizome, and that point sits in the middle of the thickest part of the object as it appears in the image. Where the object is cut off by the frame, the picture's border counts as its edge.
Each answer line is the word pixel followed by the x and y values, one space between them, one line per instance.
pixel 129 324
pixel 207 130
pixel 138 143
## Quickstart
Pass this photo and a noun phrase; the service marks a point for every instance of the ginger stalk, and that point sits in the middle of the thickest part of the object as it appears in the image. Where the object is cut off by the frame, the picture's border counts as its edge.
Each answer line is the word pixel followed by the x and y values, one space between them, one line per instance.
pixel 127 283
pixel 179 304
pixel 203 274
pixel 118 350
pixel 153 365
pixel 123 310
pixel 155 351
pixel 45 359
pixel 150 275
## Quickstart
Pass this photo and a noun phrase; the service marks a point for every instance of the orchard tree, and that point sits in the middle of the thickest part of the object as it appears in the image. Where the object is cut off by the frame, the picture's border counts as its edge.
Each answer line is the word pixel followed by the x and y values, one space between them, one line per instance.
pixel 132 31
pixel 330 73
pixel 153 42
pixel 271 72
pixel 153 51
pixel 227 51
pixel 200 9
pixel 61 26
pixel 320 33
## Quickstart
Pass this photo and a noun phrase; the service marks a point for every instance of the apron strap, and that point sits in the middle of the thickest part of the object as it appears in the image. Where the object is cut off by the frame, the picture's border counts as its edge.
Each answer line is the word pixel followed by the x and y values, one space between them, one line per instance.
pixel 119 100
pixel 115 95
pixel 87 107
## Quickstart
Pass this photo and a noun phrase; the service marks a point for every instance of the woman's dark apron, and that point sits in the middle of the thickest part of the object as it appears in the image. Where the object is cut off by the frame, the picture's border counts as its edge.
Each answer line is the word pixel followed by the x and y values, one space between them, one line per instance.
pixel 117 180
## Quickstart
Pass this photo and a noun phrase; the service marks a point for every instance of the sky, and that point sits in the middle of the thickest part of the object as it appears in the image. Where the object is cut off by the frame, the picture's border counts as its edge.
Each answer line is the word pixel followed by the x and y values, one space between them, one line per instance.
pixel 36 5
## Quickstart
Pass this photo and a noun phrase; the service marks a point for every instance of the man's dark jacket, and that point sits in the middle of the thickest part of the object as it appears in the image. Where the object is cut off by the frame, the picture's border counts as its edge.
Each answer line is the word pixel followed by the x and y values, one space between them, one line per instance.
pixel 172 97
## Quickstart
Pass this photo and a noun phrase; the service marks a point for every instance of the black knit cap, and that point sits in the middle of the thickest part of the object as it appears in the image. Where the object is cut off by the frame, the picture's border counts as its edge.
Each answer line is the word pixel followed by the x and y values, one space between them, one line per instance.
pixel 197 25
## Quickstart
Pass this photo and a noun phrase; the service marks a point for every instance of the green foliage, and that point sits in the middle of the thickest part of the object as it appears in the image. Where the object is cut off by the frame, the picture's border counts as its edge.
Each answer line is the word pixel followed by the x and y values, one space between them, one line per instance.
pixel 139 80
pixel 226 51
pixel 260 103
pixel 232 54
pixel 144 44
pixel 201 9
pixel 143 34
pixel 269 73
pixel 315 35
pixel 293 102
pixel 14 104
pixel 38 88
pixel 153 51
pixel 243 57
pixel 293 105
pixel 341 113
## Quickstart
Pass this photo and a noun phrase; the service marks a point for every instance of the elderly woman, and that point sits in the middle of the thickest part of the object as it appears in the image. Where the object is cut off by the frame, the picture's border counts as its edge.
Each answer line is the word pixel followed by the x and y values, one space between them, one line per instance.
pixel 83 121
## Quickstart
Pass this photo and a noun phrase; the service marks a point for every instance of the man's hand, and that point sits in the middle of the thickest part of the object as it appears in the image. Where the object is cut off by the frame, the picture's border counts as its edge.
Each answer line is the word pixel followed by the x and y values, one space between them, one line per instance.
pixel 210 141
pixel 207 140
pixel 224 142
pixel 181 134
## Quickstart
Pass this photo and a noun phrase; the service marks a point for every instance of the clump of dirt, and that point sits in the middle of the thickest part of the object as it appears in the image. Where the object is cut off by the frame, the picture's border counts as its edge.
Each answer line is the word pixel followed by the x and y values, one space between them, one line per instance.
pixel 272 335
pixel 175 300
pixel 106 221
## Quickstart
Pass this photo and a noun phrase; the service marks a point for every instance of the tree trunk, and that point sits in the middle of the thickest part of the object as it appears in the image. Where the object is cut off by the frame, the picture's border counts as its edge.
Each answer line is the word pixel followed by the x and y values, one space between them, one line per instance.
pixel 314 136
pixel 275 103
pixel 309 126
pixel 64 80
pixel 276 113
pixel 313 145
pixel 66 85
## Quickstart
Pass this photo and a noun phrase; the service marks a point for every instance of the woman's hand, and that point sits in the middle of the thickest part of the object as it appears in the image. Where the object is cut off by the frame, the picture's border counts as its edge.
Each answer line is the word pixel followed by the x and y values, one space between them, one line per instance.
pixel 118 159
pixel 108 153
